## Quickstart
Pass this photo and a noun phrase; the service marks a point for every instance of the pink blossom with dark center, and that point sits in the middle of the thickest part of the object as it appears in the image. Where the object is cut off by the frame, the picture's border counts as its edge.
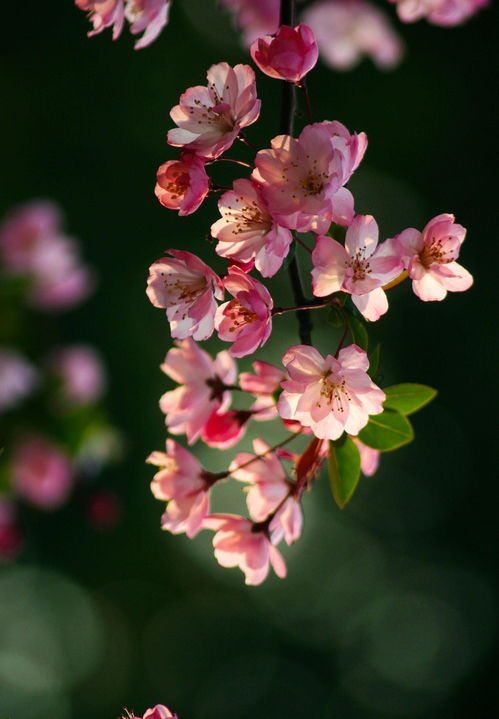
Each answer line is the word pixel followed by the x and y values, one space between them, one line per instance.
pixel 103 14
pixel 288 55
pixel 41 473
pixel 247 319
pixel 330 395
pixel 360 268
pixel 203 387
pixel 429 257
pixel 182 184
pixel 210 118
pixel 238 542
pixel 247 230
pixel 149 16
pixel 186 287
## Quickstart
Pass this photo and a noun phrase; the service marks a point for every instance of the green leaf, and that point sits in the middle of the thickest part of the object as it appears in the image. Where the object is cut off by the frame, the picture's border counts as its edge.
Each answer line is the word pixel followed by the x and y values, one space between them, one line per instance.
pixel 387 431
pixel 335 317
pixel 359 333
pixel 374 362
pixel 408 397
pixel 344 469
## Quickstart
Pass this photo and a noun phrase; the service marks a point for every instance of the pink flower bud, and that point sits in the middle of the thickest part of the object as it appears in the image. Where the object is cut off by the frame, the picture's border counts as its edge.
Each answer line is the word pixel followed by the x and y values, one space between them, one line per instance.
pixel 289 55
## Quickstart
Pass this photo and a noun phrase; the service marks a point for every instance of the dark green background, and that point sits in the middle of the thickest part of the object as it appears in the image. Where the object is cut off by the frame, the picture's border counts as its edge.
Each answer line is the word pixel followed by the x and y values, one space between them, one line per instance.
pixel 388 610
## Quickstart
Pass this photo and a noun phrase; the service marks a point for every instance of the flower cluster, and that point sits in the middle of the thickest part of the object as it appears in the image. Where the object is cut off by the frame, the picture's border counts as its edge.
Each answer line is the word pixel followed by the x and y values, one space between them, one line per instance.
pixel 60 387
pixel 329 404
pixel 146 16
pixel 438 12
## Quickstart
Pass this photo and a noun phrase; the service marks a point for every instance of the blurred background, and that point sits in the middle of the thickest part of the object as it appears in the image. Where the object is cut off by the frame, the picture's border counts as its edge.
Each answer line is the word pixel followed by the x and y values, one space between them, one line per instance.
pixel 389 609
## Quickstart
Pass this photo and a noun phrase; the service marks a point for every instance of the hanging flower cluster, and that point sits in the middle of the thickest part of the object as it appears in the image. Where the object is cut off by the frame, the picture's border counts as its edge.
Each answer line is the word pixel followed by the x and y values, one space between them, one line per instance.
pixel 329 404
pixel 60 435
pixel 147 16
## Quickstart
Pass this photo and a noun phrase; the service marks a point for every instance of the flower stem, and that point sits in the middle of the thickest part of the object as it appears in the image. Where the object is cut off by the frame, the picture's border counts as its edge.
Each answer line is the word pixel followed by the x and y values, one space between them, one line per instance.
pixel 247 142
pixel 303 87
pixel 403 275
pixel 264 454
pixel 237 162
pixel 303 244
pixel 313 306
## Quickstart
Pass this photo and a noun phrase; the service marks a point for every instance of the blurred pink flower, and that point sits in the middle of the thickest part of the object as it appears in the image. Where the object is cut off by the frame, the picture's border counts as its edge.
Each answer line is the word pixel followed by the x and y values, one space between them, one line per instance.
pixel 202 391
pixel 254 17
pixel 18 378
pixel 369 458
pixel 438 12
pixel 187 288
pixel 288 55
pixel 238 542
pixel 266 380
pixel 11 538
pixel 247 231
pixel 329 395
pixel 247 319
pixel 23 230
pixel 182 184
pixel 360 268
pixel 41 473
pixel 104 13
pixel 148 15
pixel 346 30
pixel 81 371
pixel 430 255
pixel 210 118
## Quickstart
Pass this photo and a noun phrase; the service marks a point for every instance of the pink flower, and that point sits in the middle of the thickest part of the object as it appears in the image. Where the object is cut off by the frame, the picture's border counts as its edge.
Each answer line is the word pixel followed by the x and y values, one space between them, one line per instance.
pixel 41 473
pixel 225 429
pixel 210 118
pixel 329 395
pixel 438 12
pixel 360 268
pixel 182 184
pixel 429 258
pixel 247 230
pixel 22 232
pixel 189 407
pixel 159 712
pixel 185 485
pixel 254 17
pixel 302 179
pixel 266 380
pixel 148 15
pixel 369 458
pixel 81 372
pixel 104 13
pixel 247 319
pixel 288 55
pixel 270 491
pixel 186 287
pixel 18 378
pixel 241 543
pixel 346 31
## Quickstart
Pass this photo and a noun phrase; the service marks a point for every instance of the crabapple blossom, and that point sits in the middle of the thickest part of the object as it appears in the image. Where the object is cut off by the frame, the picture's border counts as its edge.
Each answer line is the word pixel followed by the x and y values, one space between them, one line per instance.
pixel 438 12
pixel 247 230
pixel 346 31
pixel 148 15
pixel 266 380
pixel 182 184
pixel 254 17
pixel 210 118
pixel 369 458
pixel 238 542
pixel 103 14
pixel 81 372
pixel 41 473
pixel 22 232
pixel 429 257
pixel 186 287
pixel 247 319
pixel 202 391
pixel 360 268
pixel 158 712
pixel 18 378
pixel 329 395
pixel 288 55
pixel 185 485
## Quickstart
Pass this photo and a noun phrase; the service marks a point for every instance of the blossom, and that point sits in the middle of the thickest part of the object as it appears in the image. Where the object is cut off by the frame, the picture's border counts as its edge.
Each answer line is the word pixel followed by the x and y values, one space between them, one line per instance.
pixel 184 484
pixel 41 473
pixel 238 542
pixel 247 231
pixel 438 12
pixel 182 184
pixel 202 391
pixel 247 319
pixel 22 232
pixel 302 179
pixel 225 429
pixel 104 13
pixel 210 118
pixel 346 31
pixel 270 491
pixel 18 378
pixel 265 381
pixel 186 287
pixel 159 712
pixel 288 55
pixel 254 17
pixel 429 257
pixel 369 458
pixel 148 15
pixel 329 395
pixel 81 373
pixel 360 268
